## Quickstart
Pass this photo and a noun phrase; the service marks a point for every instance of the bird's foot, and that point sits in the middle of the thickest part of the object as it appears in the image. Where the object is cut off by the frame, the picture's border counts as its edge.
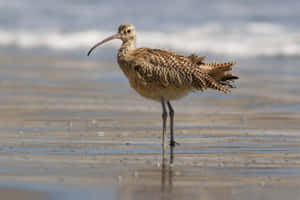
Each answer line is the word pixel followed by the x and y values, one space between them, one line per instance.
pixel 173 143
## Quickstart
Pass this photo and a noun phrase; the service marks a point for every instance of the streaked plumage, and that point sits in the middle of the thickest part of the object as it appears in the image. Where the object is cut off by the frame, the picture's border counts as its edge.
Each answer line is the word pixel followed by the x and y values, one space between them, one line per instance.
pixel 164 75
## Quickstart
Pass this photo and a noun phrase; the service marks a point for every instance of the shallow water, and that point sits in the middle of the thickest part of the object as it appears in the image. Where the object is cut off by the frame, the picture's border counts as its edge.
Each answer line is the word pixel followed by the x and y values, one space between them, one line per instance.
pixel 72 128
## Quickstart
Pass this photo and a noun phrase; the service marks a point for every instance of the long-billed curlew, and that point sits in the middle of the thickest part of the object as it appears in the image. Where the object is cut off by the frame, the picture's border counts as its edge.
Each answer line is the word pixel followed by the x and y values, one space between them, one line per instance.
pixel 163 75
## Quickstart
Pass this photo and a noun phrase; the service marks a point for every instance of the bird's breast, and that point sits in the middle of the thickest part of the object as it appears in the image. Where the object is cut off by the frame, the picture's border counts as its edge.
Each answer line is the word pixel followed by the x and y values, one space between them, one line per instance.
pixel 125 66
pixel 153 89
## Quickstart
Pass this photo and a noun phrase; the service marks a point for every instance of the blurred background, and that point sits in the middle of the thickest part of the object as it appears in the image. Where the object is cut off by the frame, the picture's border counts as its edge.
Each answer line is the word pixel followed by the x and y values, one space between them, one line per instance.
pixel 232 28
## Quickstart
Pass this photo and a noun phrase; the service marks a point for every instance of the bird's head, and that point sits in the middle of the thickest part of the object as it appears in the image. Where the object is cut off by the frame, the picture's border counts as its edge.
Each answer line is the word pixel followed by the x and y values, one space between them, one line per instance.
pixel 126 32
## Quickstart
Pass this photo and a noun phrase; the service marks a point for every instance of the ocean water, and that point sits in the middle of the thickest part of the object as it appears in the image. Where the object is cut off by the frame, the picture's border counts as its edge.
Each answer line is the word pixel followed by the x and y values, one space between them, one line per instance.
pixel 233 27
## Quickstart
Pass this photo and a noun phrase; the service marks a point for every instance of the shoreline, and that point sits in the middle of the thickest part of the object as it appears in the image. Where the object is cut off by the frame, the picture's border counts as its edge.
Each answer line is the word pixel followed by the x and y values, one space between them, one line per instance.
pixel 77 124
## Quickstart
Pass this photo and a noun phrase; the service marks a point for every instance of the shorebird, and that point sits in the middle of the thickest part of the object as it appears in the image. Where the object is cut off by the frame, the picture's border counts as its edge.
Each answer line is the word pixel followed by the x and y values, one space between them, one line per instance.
pixel 163 75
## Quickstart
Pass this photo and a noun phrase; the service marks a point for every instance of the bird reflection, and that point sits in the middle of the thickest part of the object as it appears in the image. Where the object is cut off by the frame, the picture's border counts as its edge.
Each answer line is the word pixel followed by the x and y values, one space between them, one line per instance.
pixel 167 171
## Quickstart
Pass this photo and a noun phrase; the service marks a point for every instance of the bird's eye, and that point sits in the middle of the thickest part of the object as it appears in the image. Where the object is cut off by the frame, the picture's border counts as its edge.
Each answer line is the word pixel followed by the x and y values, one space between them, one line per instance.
pixel 128 31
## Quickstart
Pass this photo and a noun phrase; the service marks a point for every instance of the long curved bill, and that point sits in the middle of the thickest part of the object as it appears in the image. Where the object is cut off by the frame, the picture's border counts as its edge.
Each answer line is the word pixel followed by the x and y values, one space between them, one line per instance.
pixel 116 36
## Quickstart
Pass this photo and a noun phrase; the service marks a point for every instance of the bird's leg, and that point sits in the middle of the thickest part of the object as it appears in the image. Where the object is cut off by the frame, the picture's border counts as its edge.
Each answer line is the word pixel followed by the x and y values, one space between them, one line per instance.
pixel 171 113
pixel 164 118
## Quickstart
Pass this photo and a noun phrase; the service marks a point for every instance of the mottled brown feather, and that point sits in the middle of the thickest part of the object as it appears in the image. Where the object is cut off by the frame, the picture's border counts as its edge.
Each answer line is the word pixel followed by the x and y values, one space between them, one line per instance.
pixel 174 69
pixel 219 71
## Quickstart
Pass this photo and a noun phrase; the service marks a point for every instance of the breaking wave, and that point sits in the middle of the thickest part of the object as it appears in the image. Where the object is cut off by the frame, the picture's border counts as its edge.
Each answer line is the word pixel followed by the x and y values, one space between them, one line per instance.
pixel 252 39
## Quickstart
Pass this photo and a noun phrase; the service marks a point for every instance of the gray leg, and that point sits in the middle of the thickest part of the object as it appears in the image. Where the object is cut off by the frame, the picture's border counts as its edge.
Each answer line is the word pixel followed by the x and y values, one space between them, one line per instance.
pixel 171 168
pixel 164 118
pixel 171 112
pixel 171 155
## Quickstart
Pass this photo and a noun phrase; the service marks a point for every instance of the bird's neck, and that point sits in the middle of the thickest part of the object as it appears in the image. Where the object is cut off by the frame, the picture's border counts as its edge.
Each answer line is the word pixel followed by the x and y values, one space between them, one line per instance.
pixel 126 47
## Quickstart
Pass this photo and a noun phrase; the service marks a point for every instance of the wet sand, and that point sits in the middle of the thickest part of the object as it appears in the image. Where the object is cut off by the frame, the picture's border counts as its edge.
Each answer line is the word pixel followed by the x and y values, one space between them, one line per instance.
pixel 73 129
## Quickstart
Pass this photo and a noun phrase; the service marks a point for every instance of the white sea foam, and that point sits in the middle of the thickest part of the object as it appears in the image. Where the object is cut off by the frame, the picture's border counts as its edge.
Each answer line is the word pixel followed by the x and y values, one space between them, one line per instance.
pixel 245 40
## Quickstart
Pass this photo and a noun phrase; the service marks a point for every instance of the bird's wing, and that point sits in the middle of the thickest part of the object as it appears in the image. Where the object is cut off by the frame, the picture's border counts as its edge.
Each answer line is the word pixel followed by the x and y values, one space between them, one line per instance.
pixel 171 69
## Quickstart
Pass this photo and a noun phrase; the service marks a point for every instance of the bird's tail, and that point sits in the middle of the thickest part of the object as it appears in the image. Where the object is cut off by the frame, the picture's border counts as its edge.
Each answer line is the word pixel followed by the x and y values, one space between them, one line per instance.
pixel 218 71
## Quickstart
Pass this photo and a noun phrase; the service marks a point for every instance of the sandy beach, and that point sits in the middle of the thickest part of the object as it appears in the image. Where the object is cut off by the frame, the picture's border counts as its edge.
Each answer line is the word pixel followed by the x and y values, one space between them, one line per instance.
pixel 72 128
